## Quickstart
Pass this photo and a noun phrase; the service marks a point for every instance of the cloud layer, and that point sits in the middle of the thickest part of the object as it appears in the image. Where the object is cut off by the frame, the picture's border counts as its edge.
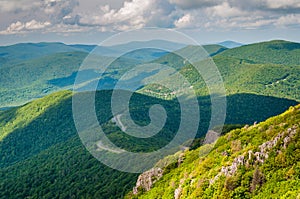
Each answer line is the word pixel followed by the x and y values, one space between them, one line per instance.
pixel 80 16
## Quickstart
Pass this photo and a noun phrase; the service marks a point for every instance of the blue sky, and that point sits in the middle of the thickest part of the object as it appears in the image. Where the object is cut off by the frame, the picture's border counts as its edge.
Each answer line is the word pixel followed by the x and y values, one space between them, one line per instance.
pixel 91 21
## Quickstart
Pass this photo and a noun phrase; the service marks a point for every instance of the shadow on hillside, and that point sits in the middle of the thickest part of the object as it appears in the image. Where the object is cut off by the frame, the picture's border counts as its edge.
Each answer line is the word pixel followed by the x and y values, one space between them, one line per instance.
pixel 250 108
pixel 56 125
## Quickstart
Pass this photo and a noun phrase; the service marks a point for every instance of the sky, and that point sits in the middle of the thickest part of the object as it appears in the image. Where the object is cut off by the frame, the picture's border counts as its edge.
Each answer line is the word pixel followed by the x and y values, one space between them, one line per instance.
pixel 91 21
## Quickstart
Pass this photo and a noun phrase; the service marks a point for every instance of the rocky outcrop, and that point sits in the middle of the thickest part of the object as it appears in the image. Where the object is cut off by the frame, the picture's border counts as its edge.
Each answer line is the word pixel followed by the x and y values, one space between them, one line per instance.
pixel 180 159
pixel 147 179
pixel 225 153
pixel 259 156
pixel 177 193
pixel 211 137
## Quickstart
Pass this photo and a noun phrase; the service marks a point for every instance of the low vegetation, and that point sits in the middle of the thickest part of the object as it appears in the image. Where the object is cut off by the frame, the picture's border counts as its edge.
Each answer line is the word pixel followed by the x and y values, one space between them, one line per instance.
pixel 259 161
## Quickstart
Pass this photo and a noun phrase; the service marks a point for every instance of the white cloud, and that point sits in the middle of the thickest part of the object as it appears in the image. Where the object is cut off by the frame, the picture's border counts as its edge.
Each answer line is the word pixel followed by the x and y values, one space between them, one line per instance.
pixel 34 25
pixel 15 27
pixel 129 14
pixel 133 14
pixel 117 15
pixel 225 10
pixel 257 24
pixel 277 4
pixel 238 23
pixel 184 22
pixel 132 9
pixel 56 10
pixel 19 27
pixel 66 29
pixel 291 19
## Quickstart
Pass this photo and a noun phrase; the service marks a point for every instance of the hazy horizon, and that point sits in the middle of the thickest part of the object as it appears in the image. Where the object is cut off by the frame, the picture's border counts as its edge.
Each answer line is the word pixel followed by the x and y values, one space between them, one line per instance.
pixel 208 43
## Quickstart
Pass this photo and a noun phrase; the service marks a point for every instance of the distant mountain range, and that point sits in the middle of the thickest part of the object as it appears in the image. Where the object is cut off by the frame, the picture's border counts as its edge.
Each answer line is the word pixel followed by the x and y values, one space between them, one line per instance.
pixel 29 71
pixel 230 44
pixel 25 51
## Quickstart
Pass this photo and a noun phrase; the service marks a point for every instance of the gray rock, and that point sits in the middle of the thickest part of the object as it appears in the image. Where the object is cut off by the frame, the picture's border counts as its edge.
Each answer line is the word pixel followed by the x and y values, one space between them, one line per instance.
pixel 211 137
pixel 147 179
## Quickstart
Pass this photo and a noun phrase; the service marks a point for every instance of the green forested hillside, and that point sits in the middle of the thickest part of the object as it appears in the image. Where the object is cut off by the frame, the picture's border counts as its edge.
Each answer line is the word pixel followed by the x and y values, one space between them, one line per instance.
pixel 65 170
pixel 25 80
pixel 42 156
pixel 276 52
pixel 35 78
pixel 44 128
pixel 259 161
pixel 242 74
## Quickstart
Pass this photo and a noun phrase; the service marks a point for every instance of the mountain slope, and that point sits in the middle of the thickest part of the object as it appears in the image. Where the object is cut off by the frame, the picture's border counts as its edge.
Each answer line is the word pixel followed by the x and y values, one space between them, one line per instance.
pixel 276 52
pixel 42 155
pixel 260 161
pixel 239 74
pixel 34 78
pixel 174 60
pixel 65 170
pixel 26 80
pixel 44 128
